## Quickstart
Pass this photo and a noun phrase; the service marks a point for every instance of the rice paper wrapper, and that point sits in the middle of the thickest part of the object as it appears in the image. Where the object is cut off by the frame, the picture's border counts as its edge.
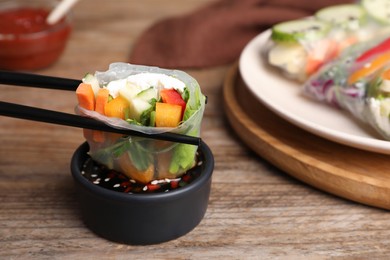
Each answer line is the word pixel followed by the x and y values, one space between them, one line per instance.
pixel 294 59
pixel 330 83
pixel 146 159
pixel 377 103
pixel 299 59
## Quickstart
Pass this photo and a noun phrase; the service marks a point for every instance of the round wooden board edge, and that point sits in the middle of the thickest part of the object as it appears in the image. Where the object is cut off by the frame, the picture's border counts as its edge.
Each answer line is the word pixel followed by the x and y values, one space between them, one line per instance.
pixel 299 167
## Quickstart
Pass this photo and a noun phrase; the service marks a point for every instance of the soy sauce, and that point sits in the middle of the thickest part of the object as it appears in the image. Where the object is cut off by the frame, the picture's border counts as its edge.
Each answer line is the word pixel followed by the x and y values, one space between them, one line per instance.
pixel 104 177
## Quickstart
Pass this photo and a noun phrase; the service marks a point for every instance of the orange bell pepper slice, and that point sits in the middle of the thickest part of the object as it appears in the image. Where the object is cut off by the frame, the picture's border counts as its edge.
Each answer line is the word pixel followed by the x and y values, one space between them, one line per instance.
pixel 118 107
pixel 370 68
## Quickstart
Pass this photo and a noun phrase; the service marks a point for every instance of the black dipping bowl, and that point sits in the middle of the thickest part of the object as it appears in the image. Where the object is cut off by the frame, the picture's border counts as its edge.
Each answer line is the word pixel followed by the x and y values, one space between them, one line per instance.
pixel 142 219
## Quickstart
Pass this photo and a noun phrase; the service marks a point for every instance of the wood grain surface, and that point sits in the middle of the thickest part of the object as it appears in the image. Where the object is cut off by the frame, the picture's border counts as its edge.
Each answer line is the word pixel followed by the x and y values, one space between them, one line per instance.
pixel 256 211
pixel 345 171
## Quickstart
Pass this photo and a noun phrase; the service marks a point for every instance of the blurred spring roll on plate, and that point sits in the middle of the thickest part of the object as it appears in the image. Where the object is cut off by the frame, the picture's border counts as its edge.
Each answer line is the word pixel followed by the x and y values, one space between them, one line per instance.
pixel 145 99
pixel 357 83
pixel 378 102
pixel 299 48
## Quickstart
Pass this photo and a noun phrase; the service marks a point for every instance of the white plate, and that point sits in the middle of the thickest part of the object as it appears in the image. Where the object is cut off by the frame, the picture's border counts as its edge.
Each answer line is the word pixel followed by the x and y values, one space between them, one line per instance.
pixel 285 98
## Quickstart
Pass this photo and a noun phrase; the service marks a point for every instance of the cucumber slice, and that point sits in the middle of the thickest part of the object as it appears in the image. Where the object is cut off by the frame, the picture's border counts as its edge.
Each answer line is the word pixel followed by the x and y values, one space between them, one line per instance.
pixel 93 81
pixel 148 94
pixel 379 10
pixel 137 107
pixel 152 121
pixel 129 91
pixel 297 30
pixel 349 16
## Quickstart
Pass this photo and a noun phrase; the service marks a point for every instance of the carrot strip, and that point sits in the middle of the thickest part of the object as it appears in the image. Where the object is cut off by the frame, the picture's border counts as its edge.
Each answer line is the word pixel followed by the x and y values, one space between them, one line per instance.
pixel 87 134
pixel 85 96
pixel 312 65
pixel 98 136
pixel 101 100
pixel 327 50
pixel 128 168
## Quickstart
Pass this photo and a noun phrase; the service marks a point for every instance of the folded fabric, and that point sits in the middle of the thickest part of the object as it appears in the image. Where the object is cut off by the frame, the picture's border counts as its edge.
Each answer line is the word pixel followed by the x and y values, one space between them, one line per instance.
pixel 217 33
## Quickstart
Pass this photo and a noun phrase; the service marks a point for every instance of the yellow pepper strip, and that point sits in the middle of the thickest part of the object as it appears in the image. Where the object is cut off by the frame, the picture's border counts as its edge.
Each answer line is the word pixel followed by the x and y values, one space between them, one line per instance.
pixel 386 74
pixel 370 68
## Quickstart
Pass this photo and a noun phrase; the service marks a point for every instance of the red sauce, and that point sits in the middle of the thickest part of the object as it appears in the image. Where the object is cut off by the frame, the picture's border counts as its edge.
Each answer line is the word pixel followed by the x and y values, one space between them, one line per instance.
pixel 23 20
pixel 27 42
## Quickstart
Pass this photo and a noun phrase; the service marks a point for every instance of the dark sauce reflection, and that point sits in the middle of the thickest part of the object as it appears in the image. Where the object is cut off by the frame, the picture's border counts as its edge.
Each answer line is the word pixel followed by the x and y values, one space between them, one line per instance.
pixel 101 176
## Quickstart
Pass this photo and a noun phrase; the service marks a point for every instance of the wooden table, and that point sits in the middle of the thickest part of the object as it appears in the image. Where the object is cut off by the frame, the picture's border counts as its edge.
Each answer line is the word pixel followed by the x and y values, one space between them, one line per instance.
pixel 255 212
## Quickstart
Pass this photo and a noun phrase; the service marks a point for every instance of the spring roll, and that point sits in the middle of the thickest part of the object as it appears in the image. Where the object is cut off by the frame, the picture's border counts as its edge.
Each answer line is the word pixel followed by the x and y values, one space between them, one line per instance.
pixel 355 82
pixel 149 100
pixel 377 112
pixel 301 47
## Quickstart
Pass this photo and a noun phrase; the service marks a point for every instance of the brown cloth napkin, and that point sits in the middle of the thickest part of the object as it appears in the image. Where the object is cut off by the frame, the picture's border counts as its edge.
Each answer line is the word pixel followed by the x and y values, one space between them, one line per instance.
pixel 216 34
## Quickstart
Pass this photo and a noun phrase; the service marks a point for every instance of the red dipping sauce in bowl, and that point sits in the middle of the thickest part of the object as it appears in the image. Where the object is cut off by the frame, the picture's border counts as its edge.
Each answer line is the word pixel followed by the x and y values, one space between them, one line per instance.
pixel 27 42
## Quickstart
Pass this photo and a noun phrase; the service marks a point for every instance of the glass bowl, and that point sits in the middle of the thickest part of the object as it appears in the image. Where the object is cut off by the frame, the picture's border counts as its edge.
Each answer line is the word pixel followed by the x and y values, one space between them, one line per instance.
pixel 26 41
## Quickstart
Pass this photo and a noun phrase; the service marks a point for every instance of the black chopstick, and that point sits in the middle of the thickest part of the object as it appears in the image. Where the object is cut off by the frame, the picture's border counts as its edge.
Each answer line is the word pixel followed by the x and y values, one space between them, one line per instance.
pixel 60 118
pixel 37 81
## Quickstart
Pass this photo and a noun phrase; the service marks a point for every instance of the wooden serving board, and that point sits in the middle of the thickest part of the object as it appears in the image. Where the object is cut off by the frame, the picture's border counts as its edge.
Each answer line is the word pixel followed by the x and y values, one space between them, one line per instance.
pixel 347 172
